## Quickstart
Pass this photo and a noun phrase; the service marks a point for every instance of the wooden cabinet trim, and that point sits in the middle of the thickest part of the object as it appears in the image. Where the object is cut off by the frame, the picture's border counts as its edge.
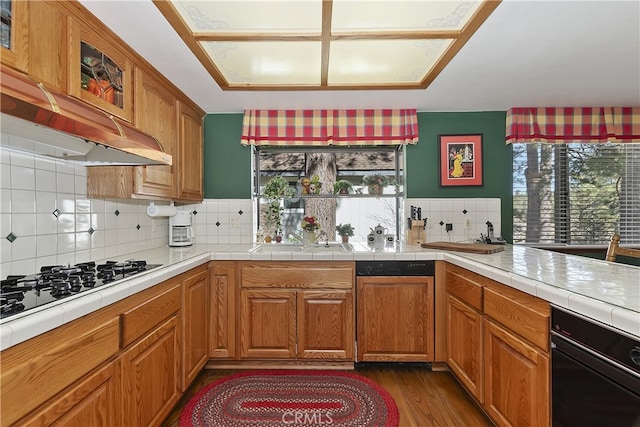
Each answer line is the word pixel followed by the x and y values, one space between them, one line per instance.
pixel 465 287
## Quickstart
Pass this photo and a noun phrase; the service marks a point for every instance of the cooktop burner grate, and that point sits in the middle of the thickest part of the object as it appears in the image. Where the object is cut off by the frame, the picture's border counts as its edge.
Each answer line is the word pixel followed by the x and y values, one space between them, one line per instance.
pixel 19 293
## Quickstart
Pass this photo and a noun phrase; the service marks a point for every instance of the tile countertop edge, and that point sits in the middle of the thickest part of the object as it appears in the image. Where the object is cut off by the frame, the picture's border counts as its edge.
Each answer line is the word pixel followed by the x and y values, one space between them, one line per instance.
pixel 602 312
pixel 178 260
pixel 14 332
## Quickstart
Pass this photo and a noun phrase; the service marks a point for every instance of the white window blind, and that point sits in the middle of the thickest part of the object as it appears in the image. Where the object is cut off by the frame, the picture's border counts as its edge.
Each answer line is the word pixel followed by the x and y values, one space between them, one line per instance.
pixel 576 194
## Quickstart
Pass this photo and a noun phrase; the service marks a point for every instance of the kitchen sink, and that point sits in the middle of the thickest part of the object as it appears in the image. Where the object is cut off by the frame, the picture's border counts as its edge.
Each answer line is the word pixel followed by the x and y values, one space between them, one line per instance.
pixel 331 247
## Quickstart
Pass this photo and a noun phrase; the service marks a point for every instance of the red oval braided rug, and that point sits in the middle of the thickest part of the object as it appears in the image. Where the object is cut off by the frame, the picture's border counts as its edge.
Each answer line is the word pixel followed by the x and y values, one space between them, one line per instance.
pixel 291 398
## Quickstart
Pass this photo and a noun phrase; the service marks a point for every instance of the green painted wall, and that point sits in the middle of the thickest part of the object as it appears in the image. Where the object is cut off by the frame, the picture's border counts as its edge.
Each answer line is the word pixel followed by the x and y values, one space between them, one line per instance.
pixel 422 159
pixel 227 164
pixel 227 170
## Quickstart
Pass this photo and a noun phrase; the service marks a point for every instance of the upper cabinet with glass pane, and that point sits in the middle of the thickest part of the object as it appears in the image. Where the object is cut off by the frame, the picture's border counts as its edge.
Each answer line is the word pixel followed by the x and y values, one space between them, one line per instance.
pixel 99 72
pixel 14 17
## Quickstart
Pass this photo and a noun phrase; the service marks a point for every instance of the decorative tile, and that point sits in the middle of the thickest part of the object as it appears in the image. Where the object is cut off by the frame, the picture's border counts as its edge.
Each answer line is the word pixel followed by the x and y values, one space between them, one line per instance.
pixel 56 213
pixel 90 230
pixel 218 223
pixel 117 212
pixel 465 211
pixel 240 212
pixel 138 226
pixel 11 237
pixel 195 212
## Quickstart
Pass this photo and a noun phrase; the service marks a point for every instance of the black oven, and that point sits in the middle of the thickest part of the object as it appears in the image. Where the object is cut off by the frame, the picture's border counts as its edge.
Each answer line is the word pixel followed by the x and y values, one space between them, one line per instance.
pixel 595 374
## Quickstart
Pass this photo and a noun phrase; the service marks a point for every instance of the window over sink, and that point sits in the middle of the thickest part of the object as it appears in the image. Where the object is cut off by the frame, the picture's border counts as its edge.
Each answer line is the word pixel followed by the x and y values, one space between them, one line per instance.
pixel 316 176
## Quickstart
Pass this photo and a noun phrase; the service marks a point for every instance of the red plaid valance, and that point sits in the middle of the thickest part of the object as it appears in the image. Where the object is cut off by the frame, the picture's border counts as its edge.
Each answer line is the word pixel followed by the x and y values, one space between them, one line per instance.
pixel 330 127
pixel 587 125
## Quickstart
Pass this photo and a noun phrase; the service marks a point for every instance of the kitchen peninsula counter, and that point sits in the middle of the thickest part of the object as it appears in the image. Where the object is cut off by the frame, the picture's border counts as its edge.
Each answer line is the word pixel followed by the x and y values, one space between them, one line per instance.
pixel 604 291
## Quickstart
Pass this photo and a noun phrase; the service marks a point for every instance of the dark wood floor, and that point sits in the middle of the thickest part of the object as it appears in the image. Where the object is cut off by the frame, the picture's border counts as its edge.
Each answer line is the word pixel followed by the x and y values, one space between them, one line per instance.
pixel 424 398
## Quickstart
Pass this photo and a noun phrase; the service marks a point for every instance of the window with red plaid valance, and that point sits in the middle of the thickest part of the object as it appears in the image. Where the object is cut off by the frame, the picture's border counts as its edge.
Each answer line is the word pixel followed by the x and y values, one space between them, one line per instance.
pixel 330 127
pixel 568 124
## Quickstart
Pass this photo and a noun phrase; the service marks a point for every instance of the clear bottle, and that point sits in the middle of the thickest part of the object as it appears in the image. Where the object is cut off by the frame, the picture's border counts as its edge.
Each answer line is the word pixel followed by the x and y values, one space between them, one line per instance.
pixel 259 235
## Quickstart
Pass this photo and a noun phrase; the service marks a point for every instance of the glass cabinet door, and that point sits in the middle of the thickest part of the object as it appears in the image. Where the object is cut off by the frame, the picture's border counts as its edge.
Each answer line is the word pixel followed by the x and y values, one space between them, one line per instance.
pixel 100 72
pixel 13 33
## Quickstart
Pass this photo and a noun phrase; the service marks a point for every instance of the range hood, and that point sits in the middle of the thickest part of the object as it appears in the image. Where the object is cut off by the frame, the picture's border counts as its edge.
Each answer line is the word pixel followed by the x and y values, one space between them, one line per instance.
pixel 53 124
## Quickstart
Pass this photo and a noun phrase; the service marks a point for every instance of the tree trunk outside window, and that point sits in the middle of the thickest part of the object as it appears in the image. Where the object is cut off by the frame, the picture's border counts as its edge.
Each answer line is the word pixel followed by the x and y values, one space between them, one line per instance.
pixel 323 165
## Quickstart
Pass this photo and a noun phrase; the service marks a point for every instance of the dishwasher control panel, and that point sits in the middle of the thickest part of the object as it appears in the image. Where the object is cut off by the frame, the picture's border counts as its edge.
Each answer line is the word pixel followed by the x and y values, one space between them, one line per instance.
pixel 395 268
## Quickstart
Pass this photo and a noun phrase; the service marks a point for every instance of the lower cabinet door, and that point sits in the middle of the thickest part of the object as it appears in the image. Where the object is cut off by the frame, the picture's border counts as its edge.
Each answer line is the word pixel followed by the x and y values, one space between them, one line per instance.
pixel 89 403
pixel 150 376
pixel 268 324
pixel 464 344
pixel 195 325
pixel 516 379
pixel 395 320
pixel 325 325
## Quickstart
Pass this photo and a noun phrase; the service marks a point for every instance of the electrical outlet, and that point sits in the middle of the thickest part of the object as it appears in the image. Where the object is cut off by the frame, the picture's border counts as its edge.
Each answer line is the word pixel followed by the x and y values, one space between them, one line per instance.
pixel 235 221
pixel 448 227
pixel 467 224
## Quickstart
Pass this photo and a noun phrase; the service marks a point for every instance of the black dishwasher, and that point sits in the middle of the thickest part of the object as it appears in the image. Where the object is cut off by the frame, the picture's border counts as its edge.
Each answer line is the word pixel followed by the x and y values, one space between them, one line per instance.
pixel 395 268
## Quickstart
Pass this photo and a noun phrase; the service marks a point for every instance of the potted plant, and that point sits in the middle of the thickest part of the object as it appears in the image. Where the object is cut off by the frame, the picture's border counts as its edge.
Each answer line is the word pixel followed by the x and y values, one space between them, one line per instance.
pixel 345 230
pixel 375 183
pixel 342 186
pixel 275 189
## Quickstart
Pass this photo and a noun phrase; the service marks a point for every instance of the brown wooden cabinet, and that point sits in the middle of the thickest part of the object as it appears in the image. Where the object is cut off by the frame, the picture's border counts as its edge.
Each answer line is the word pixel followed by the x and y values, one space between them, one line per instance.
pixel 35 371
pixel 296 310
pixel 155 114
pixel 100 73
pixel 16 53
pixel 325 324
pixel 464 307
pixel 48 44
pixel 195 324
pixel 190 155
pixel 149 367
pixel 222 336
pixel 464 345
pixel 498 347
pixel 395 319
pixel 516 379
pixel 150 375
pixel 92 402
pixel 268 324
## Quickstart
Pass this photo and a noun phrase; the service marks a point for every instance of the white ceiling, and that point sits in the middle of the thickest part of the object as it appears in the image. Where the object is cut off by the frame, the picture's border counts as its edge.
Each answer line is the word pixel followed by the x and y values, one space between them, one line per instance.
pixel 527 54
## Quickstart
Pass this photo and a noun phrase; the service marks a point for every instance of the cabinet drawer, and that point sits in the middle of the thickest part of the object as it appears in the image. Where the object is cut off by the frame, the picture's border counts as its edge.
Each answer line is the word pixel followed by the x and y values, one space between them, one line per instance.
pixel 522 313
pixel 150 313
pixel 302 275
pixel 36 370
pixel 466 286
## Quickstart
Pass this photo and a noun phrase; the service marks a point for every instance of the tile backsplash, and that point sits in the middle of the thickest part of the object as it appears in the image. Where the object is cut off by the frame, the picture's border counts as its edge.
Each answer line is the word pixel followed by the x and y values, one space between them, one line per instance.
pixel 46 218
pixel 468 216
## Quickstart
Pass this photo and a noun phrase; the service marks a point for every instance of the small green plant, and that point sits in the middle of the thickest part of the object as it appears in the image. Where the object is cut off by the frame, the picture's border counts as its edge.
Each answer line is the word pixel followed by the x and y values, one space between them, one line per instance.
pixel 342 186
pixel 278 187
pixel 376 179
pixel 345 229
pixel 275 189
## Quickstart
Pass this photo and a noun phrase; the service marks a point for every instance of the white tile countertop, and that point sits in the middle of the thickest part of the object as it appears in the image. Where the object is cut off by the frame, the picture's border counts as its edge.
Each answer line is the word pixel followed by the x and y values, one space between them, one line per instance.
pixel 604 291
